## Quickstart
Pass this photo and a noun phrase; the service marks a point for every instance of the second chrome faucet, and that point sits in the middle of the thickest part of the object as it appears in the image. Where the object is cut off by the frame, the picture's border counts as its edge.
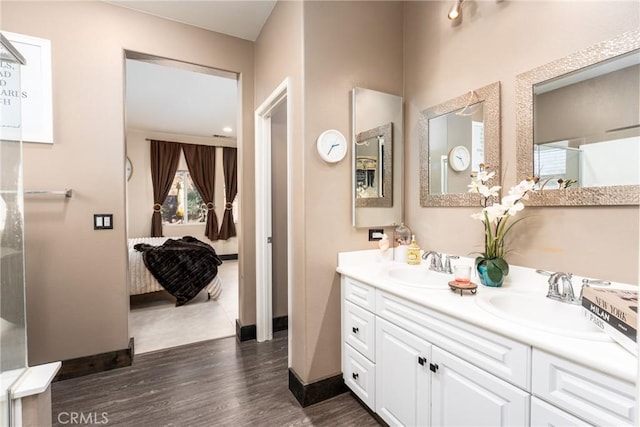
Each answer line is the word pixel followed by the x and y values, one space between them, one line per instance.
pixel 566 293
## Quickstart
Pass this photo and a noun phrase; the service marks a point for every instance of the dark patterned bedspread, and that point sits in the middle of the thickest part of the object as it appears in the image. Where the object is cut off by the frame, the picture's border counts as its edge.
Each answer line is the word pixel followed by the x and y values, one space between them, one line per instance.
pixel 182 266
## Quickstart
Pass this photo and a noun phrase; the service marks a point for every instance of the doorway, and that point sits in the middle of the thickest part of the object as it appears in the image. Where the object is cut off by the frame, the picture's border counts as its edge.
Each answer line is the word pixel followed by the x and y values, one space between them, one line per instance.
pixel 198 113
pixel 273 213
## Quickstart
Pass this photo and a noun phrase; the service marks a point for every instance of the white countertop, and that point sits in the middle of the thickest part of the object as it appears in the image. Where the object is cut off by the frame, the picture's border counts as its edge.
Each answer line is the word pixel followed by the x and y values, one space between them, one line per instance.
pixel 603 354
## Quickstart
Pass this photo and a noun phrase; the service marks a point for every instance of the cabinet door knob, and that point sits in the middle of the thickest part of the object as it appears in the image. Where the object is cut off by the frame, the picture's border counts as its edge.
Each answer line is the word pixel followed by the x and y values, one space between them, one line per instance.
pixel 355 330
pixel 422 360
pixel 433 367
pixel 355 375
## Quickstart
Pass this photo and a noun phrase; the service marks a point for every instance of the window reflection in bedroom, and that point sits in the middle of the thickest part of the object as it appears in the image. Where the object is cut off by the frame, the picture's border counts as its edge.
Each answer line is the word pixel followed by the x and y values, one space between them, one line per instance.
pixel 183 205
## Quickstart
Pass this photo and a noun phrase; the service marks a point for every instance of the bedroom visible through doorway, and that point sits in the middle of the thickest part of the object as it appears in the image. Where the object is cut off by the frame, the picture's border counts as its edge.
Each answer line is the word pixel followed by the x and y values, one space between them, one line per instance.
pixel 181 149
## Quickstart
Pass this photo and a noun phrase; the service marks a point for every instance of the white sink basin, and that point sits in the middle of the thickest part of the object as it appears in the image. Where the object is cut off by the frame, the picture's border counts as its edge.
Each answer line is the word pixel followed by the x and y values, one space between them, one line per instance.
pixel 419 276
pixel 538 312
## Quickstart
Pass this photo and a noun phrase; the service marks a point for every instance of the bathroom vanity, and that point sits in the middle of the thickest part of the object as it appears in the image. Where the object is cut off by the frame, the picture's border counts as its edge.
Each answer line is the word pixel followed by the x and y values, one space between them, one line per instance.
pixel 418 354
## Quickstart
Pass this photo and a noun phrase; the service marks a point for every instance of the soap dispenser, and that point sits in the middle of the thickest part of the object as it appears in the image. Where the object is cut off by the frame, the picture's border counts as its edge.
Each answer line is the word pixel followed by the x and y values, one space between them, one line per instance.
pixel 401 241
pixel 413 252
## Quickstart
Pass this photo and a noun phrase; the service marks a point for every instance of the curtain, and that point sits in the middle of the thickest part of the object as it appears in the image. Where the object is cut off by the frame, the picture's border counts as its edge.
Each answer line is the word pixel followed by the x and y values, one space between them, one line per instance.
pixel 229 164
pixel 201 162
pixel 164 164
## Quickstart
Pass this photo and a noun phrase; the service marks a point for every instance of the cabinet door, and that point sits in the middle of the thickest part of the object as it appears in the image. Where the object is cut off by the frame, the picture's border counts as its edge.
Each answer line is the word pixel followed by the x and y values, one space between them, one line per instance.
pixel 543 414
pixel 402 376
pixel 465 395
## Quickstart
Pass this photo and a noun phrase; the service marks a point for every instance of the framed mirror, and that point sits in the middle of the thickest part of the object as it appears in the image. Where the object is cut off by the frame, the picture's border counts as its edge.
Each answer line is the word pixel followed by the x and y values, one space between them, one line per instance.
pixel 377 142
pixel 578 126
pixel 456 137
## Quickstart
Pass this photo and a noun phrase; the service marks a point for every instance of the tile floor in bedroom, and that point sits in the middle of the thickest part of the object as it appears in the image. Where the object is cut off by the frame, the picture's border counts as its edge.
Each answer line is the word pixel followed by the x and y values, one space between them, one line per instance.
pixel 156 323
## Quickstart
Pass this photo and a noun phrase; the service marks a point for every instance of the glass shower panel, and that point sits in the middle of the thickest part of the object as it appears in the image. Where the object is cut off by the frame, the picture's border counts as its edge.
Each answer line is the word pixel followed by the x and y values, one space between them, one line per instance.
pixel 13 331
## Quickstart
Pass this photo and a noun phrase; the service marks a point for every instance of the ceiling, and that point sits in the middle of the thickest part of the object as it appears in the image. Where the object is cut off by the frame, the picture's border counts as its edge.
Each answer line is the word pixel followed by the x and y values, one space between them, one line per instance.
pixel 173 97
pixel 238 18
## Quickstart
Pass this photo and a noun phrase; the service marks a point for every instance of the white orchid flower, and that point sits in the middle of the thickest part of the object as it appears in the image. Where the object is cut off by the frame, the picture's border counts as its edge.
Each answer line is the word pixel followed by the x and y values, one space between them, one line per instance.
pixel 495 211
pixel 485 176
pixel 512 204
pixel 474 187
pixel 489 192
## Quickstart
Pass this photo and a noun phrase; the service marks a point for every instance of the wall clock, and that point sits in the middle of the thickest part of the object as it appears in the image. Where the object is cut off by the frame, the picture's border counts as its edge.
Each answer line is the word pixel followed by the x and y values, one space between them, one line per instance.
pixel 459 158
pixel 332 146
pixel 128 167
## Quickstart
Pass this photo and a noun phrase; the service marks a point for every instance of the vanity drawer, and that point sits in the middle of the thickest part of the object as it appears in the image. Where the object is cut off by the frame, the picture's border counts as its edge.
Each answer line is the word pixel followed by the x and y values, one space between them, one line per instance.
pixel 359 293
pixel 498 355
pixel 360 376
pixel 593 396
pixel 359 330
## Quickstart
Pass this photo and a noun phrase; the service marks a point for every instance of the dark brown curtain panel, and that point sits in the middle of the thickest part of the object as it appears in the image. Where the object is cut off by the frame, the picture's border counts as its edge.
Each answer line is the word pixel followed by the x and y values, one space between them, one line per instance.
pixel 164 163
pixel 229 164
pixel 201 161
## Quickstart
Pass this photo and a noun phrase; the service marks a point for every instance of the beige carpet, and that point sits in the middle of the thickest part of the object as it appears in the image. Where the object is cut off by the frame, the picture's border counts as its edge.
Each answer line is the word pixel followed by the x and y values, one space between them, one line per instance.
pixel 156 323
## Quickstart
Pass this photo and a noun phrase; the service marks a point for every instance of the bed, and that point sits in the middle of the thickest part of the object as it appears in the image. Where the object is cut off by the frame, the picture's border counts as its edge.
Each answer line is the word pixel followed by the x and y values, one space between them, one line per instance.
pixel 141 279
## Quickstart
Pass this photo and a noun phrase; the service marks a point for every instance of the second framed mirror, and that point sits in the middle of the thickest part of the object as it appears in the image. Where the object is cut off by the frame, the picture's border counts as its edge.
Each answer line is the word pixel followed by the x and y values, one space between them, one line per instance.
pixel 456 137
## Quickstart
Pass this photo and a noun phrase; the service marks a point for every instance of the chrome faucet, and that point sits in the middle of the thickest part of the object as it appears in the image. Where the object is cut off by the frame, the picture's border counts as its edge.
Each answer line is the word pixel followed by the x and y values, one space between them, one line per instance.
pixel 566 294
pixel 447 263
pixel 436 260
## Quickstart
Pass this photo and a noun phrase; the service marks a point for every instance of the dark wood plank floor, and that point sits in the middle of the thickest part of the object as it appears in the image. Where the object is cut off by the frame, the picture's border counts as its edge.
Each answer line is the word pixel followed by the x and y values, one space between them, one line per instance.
pixel 212 383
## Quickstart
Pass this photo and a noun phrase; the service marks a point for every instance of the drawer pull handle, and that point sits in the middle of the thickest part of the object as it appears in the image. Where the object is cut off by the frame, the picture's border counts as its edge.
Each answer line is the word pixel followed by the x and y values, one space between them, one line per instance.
pixel 355 375
pixel 422 360
pixel 433 367
pixel 355 330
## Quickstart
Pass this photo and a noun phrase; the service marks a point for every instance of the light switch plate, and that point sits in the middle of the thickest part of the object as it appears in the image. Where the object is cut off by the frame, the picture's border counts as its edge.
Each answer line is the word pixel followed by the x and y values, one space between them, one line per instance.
pixel 103 221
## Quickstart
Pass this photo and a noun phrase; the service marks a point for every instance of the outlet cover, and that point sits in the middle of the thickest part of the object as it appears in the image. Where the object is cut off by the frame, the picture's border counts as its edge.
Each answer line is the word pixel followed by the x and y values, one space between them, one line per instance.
pixel 375 234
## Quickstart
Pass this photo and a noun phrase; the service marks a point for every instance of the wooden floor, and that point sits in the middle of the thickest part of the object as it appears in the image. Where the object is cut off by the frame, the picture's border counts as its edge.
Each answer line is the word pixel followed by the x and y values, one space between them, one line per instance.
pixel 211 383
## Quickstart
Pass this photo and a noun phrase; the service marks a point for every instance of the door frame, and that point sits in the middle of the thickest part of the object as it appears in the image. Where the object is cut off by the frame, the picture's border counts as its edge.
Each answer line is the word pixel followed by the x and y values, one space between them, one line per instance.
pixel 264 294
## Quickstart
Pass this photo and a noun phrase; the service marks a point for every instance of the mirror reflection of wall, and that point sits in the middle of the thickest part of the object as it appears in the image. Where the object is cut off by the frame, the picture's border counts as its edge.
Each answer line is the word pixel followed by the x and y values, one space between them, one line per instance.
pixel 587 125
pixel 456 149
pixel 378 156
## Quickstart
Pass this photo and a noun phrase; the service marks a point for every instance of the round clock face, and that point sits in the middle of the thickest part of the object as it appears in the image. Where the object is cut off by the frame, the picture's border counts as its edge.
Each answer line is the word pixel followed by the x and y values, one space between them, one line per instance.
pixel 459 158
pixel 332 146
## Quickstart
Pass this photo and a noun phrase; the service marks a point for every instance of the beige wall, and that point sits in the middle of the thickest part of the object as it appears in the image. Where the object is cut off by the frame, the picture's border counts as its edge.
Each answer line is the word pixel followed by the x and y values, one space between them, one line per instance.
pixel 76 277
pixel 140 189
pixel 346 44
pixel 340 52
pixel 498 41
pixel 278 55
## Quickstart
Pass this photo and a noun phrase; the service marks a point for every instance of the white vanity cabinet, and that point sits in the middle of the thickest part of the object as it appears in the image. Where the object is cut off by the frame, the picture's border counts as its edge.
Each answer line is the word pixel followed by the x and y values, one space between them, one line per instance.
pixel 358 340
pixel 595 397
pixel 465 395
pixel 428 357
pixel 418 381
pixel 403 387
pixel 545 415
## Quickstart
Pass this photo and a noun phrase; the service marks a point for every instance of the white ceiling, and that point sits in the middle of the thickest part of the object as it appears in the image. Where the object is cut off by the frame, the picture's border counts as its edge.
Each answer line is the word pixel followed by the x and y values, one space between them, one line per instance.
pixel 238 18
pixel 165 97
pixel 173 100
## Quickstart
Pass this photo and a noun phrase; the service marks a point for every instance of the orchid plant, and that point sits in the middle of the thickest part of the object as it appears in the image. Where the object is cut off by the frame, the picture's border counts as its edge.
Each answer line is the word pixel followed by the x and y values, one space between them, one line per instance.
pixel 496 218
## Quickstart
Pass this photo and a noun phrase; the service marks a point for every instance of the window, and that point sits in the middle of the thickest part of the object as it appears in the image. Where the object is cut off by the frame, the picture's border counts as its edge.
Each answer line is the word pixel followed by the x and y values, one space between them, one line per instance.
pixel 183 205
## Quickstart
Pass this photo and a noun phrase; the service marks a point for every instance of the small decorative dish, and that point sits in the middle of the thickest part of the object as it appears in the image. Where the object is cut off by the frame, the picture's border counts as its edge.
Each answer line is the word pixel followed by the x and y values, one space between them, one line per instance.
pixel 457 286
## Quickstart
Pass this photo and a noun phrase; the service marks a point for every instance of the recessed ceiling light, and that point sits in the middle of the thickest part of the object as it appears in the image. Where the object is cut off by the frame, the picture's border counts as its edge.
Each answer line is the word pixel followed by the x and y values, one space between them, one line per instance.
pixel 227 129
